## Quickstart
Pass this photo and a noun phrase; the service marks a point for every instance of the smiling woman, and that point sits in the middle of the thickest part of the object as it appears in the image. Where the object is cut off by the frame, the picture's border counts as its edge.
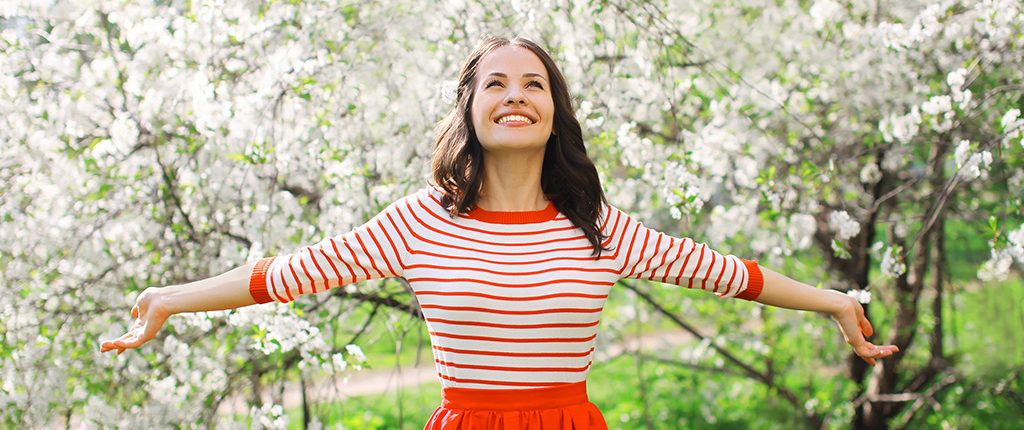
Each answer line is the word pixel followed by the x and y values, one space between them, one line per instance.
pixel 517 77
pixel 511 255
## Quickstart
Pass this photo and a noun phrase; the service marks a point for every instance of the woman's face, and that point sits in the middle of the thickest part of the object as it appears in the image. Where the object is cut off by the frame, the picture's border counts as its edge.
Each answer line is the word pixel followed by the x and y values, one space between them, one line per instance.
pixel 512 105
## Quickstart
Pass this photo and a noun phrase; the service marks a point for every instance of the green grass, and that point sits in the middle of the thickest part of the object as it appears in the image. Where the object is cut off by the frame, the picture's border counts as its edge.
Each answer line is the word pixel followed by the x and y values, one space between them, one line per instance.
pixel 404 409
pixel 986 324
pixel 985 339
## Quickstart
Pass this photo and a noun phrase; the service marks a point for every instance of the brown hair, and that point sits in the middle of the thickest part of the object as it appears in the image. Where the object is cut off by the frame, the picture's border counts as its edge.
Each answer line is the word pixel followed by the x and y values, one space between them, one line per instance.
pixel 568 176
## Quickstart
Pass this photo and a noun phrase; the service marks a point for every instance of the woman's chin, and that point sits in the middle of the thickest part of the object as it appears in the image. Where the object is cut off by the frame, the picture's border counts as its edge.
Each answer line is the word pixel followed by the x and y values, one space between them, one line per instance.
pixel 515 145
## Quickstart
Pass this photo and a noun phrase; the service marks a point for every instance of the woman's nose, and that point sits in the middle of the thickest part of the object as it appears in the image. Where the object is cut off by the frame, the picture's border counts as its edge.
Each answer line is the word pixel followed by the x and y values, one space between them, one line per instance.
pixel 515 98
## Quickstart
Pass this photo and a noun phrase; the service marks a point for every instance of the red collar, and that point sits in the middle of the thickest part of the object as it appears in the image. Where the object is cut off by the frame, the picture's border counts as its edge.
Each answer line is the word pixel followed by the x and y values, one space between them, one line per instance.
pixel 514 217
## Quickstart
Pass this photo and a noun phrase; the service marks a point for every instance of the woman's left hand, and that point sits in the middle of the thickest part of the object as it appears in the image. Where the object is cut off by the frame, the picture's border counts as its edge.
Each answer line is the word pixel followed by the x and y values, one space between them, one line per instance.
pixel 779 290
pixel 856 328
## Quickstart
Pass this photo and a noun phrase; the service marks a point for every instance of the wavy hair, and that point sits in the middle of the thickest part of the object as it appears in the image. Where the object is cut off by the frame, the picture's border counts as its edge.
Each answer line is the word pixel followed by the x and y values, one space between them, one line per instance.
pixel 568 176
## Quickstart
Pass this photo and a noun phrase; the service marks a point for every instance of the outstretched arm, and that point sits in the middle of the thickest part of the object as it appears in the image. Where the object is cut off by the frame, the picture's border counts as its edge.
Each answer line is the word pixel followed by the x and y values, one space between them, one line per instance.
pixel 225 291
pixel 784 292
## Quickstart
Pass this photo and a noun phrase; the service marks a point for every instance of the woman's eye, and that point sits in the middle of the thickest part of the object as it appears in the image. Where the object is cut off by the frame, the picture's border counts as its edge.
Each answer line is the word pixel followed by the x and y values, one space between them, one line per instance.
pixel 535 84
pixel 491 84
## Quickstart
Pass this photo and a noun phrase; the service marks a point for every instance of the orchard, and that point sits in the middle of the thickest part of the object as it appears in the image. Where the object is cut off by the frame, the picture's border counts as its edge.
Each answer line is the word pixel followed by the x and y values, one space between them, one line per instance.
pixel 874 147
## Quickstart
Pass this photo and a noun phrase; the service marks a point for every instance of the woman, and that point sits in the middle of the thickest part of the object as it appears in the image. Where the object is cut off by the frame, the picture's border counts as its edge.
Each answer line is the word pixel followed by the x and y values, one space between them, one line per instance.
pixel 511 255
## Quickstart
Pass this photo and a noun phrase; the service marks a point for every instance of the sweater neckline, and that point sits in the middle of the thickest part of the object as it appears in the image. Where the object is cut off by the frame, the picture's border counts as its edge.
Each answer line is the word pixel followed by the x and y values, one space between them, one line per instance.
pixel 514 217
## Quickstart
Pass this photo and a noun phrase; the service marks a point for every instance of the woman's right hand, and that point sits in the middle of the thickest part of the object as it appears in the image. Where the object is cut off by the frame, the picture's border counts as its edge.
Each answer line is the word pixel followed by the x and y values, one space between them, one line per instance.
pixel 228 290
pixel 150 313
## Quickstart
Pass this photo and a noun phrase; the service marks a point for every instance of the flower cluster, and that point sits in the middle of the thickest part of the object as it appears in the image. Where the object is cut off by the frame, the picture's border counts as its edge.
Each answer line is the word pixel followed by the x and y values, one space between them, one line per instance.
pixel 862 296
pixel 997 267
pixel 1013 126
pixel 844 225
pixel 270 417
pixel 970 165
pixel 892 262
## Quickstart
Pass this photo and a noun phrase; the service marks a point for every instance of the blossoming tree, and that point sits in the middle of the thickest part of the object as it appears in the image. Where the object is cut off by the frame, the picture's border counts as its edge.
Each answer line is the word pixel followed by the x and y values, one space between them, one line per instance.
pixel 154 143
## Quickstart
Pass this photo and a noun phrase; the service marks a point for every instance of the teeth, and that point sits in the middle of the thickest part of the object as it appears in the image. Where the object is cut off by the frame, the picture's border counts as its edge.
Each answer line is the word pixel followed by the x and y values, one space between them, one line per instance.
pixel 508 118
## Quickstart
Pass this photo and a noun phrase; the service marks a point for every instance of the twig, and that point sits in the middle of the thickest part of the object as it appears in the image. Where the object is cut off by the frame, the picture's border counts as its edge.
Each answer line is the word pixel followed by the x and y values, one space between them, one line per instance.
pixel 748 370
pixel 927 397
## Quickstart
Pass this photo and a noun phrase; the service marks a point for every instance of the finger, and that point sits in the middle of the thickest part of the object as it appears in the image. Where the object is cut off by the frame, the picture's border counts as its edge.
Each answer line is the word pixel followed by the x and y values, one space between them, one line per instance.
pixel 862 320
pixel 135 311
pixel 126 340
pixel 851 329
pixel 111 348
pixel 869 350
pixel 888 350
pixel 130 341
pixel 867 353
pixel 116 343
pixel 865 327
pixel 107 346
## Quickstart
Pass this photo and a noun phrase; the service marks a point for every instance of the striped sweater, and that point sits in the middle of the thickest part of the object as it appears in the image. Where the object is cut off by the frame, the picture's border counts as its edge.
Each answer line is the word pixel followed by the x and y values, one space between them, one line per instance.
pixel 511 299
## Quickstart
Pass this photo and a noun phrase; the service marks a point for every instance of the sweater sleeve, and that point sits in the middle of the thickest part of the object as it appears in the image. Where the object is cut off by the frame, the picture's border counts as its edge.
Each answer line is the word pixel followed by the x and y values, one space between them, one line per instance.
pixel 371 251
pixel 644 253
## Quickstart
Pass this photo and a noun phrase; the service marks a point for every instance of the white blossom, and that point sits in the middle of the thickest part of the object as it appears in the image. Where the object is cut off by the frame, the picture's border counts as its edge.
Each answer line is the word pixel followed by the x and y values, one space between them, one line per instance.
pixel 801 230
pixel 339 363
pixel 1015 240
pixel 970 165
pixel 844 226
pixel 824 11
pixel 356 352
pixel 636 150
pixel 938 105
pixel 448 91
pixel 997 267
pixel 862 296
pixel 956 81
pixel 1013 126
pixel 270 416
pixel 682 190
pixel 892 262
pixel 956 78
pixel 870 173
pixel 724 220
pixel 1011 120
pixel 901 128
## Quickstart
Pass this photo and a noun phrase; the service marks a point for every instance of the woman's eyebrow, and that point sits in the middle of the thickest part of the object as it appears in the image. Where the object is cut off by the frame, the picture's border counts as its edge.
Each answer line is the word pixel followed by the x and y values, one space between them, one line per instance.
pixel 525 75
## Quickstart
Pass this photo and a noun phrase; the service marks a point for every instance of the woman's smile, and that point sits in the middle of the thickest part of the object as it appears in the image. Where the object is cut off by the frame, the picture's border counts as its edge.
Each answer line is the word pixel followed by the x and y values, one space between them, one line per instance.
pixel 513 119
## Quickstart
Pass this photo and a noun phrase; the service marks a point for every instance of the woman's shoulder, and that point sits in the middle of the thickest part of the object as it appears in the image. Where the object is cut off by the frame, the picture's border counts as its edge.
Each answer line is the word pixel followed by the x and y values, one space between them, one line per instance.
pixel 427 197
pixel 610 210
pixel 613 218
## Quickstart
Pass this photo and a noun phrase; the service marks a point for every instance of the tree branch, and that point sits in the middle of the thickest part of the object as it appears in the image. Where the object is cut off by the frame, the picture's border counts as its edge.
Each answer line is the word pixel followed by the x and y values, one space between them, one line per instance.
pixel 928 397
pixel 747 370
pixel 389 301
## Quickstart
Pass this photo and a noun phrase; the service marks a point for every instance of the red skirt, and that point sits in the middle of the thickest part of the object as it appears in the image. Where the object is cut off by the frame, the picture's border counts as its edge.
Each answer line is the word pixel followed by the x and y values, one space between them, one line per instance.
pixel 562 407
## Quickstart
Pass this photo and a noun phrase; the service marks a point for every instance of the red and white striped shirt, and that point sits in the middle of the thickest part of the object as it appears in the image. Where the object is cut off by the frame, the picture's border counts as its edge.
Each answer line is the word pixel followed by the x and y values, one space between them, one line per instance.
pixel 511 299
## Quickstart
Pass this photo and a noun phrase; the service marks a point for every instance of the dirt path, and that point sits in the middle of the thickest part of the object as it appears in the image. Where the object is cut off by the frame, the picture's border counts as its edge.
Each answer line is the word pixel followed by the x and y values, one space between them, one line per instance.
pixel 359 383
pixel 388 380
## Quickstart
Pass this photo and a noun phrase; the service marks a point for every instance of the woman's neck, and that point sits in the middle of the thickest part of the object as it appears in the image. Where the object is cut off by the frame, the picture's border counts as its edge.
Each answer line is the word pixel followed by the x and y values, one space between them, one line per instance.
pixel 512 182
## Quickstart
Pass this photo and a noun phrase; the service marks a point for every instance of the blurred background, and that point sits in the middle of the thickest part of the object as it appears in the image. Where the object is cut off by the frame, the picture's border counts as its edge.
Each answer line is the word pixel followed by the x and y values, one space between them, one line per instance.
pixel 874 147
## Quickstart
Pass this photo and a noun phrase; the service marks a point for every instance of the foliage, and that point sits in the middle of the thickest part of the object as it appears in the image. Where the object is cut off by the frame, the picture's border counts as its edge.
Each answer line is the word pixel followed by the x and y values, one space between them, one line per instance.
pixel 862 144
